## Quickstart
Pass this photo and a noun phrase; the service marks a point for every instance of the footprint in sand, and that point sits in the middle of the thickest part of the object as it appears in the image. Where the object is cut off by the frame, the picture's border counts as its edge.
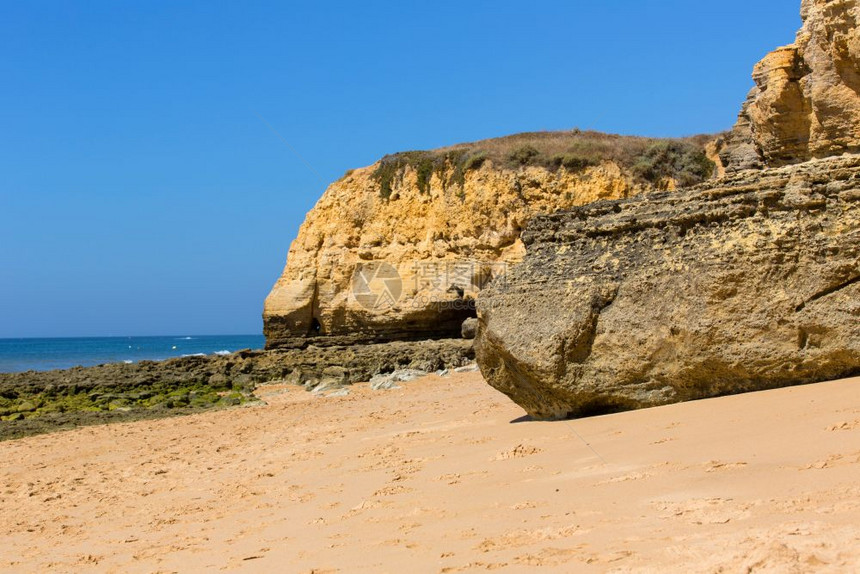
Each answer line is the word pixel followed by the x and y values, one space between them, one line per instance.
pixel 705 510
pixel 834 460
pixel 392 490
pixel 549 556
pixel 662 441
pixel 304 455
pixel 716 465
pixel 843 426
pixel 519 451
pixel 626 478
pixel 453 478
pixel 295 494
pixel 474 566
pixel 516 538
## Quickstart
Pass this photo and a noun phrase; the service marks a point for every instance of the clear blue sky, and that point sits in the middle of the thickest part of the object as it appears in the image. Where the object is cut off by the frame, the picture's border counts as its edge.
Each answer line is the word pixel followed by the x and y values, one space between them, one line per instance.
pixel 140 194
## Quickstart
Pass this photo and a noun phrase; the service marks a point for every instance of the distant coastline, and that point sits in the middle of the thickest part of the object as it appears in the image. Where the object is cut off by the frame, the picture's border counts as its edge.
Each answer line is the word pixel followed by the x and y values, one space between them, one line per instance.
pixel 46 354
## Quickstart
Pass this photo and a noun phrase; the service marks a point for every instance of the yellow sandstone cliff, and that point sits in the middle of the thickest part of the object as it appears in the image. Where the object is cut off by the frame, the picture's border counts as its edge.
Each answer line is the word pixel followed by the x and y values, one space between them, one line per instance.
pixel 399 249
pixel 806 103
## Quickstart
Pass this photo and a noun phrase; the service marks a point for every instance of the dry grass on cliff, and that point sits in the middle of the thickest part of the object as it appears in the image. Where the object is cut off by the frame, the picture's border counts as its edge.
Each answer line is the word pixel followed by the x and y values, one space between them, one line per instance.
pixel 647 159
pixel 591 146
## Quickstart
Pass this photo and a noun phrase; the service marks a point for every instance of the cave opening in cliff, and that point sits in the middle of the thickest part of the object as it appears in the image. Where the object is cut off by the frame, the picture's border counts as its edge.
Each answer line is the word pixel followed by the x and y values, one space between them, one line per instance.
pixel 450 316
pixel 316 327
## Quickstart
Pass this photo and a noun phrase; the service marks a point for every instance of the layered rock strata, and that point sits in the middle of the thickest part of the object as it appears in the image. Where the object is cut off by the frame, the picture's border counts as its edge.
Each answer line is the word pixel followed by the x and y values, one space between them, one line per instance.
pixel 748 283
pixel 806 101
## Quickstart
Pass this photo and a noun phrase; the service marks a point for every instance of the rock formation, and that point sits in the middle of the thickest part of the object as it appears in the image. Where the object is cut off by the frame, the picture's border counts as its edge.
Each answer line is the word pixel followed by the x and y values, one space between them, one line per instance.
pixel 806 103
pixel 46 401
pixel 400 249
pixel 750 282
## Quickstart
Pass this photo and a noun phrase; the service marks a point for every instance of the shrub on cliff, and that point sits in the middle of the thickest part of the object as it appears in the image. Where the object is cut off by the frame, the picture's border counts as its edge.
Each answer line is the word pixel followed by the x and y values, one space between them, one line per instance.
pixel 571 162
pixel 475 161
pixel 393 166
pixel 449 167
pixel 524 155
pixel 684 162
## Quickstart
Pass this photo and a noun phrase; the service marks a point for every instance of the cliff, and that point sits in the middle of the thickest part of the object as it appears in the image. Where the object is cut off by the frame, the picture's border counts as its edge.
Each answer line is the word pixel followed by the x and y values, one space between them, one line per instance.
pixel 747 283
pixel 399 250
pixel 806 99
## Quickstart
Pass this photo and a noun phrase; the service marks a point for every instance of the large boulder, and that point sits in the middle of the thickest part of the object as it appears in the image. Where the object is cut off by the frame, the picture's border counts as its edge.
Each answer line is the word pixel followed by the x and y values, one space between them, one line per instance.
pixel 400 249
pixel 748 283
pixel 806 102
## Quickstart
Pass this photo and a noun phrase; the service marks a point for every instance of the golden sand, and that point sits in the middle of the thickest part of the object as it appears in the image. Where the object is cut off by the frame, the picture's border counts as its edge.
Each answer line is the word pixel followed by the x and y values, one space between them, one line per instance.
pixel 442 476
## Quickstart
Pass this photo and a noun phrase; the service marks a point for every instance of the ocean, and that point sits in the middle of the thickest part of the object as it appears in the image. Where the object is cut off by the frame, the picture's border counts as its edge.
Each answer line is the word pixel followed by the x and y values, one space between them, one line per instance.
pixel 17 355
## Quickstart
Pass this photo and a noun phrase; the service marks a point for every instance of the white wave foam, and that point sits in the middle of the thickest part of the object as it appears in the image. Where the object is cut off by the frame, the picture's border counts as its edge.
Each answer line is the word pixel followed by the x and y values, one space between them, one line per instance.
pixel 127 362
pixel 195 355
pixel 223 353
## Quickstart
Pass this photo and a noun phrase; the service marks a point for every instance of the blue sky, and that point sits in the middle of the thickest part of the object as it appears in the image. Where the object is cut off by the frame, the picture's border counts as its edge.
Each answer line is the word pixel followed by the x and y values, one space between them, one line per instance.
pixel 141 194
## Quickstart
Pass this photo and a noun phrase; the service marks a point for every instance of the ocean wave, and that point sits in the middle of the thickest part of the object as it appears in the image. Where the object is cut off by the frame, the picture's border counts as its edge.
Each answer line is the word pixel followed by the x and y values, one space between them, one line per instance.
pixel 184 339
pixel 127 362
pixel 223 353
pixel 194 355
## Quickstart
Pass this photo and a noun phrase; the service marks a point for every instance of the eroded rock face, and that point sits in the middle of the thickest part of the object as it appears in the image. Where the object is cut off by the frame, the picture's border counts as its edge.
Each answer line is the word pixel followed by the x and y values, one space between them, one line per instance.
pixel 806 103
pixel 403 256
pixel 748 283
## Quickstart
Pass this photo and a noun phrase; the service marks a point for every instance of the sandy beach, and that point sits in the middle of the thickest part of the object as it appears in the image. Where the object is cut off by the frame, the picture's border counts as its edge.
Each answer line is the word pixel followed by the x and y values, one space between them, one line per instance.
pixel 444 475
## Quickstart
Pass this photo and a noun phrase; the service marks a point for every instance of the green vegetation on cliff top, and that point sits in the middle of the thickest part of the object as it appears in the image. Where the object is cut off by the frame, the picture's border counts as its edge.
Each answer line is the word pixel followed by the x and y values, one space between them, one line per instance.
pixel 649 160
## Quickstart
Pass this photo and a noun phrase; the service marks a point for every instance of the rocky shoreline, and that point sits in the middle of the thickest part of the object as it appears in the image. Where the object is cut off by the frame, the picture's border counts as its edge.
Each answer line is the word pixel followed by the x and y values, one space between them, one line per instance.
pixel 38 402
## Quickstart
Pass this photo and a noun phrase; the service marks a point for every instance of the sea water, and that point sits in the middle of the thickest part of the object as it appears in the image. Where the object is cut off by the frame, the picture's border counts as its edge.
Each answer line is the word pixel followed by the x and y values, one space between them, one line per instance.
pixel 18 355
